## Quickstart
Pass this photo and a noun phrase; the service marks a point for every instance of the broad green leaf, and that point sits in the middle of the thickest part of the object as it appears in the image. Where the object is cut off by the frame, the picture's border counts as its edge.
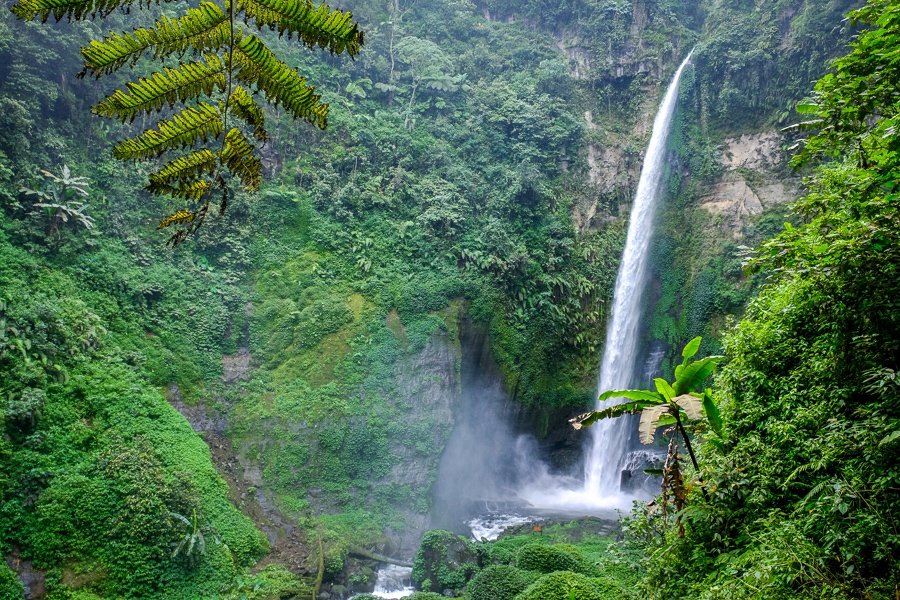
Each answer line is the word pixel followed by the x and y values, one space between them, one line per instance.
pixel 691 348
pixel 712 413
pixel 666 420
pixel 693 375
pixel 646 395
pixel 808 107
pixel 890 438
pixel 663 387
pixel 650 421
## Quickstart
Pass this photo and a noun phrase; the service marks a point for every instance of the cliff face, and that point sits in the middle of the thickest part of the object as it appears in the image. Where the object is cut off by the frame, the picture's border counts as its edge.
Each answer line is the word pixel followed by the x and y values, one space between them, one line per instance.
pixel 754 178
pixel 428 389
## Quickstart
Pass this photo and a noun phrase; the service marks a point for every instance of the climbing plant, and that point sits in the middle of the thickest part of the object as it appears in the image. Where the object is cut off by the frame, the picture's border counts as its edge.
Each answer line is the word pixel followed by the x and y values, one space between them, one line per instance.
pixel 216 122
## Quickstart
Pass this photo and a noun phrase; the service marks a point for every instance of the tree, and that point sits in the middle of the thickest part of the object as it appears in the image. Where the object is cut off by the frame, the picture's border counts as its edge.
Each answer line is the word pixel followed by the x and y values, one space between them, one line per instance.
pixel 57 200
pixel 671 404
pixel 216 122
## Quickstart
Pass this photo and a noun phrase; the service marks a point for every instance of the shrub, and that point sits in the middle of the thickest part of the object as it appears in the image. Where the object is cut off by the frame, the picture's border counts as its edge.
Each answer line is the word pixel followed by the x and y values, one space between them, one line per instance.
pixel 10 588
pixel 561 585
pixel 547 559
pixel 500 582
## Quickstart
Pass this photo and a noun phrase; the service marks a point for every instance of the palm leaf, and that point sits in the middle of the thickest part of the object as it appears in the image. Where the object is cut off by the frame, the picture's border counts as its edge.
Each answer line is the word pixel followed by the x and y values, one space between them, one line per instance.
pixel 650 421
pixel 179 217
pixel 174 84
pixel 184 129
pixel 203 28
pixel 589 418
pixel 257 65
pixel 691 405
pixel 645 395
pixel 693 375
pixel 320 25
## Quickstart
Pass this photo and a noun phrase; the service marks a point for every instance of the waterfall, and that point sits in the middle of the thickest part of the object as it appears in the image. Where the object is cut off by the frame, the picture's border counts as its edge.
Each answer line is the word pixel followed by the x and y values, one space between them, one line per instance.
pixel 617 369
pixel 600 490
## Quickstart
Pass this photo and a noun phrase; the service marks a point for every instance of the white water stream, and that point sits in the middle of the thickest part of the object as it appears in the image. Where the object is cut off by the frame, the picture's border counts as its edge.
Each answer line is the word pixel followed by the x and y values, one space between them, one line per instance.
pixel 393 582
pixel 610 438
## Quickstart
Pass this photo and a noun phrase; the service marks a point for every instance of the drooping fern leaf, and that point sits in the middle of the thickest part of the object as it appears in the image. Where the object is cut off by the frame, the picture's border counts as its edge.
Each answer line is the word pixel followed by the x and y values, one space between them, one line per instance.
pixel 237 155
pixel 184 129
pixel 185 168
pixel 29 10
pixel 245 107
pixel 202 29
pixel 185 82
pixel 191 190
pixel 322 26
pixel 257 65
pixel 179 217
pixel 221 69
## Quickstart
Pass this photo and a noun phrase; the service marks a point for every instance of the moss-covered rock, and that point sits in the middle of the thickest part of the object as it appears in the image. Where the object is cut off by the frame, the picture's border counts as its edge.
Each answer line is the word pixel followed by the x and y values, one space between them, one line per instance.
pixel 500 582
pixel 445 561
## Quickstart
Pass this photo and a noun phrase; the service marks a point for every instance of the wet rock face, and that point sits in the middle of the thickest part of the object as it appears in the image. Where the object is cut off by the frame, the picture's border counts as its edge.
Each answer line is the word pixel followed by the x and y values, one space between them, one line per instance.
pixel 32 580
pixel 634 478
pixel 427 384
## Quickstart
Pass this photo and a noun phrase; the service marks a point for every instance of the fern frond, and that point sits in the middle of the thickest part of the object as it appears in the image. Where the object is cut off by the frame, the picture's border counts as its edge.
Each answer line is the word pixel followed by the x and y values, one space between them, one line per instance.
pixel 322 26
pixel 237 155
pixel 184 129
pixel 257 65
pixel 185 168
pixel 189 190
pixel 245 107
pixel 203 28
pixel 179 217
pixel 28 10
pixel 174 84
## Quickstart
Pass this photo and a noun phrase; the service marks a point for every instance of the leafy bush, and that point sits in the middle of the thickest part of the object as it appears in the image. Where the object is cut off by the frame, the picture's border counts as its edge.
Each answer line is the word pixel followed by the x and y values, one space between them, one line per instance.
pixel 549 558
pixel 500 582
pixel 563 585
pixel 10 587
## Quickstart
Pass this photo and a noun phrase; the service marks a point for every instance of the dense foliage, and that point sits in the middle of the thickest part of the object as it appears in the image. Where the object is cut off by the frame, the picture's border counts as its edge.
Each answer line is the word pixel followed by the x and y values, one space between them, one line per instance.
pixel 499 582
pixel 229 67
pixel 803 494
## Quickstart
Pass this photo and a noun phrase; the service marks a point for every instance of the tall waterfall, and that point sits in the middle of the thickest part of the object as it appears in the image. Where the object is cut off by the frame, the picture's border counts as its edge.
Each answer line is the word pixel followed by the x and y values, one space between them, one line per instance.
pixel 617 370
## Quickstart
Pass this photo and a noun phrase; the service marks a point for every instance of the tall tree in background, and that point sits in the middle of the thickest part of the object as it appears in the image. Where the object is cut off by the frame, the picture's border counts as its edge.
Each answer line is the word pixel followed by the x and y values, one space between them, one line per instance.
pixel 211 135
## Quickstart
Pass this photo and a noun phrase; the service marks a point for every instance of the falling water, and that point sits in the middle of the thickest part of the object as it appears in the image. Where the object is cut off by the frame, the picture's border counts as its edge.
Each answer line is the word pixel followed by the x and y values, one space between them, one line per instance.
pixel 610 437
pixel 601 487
